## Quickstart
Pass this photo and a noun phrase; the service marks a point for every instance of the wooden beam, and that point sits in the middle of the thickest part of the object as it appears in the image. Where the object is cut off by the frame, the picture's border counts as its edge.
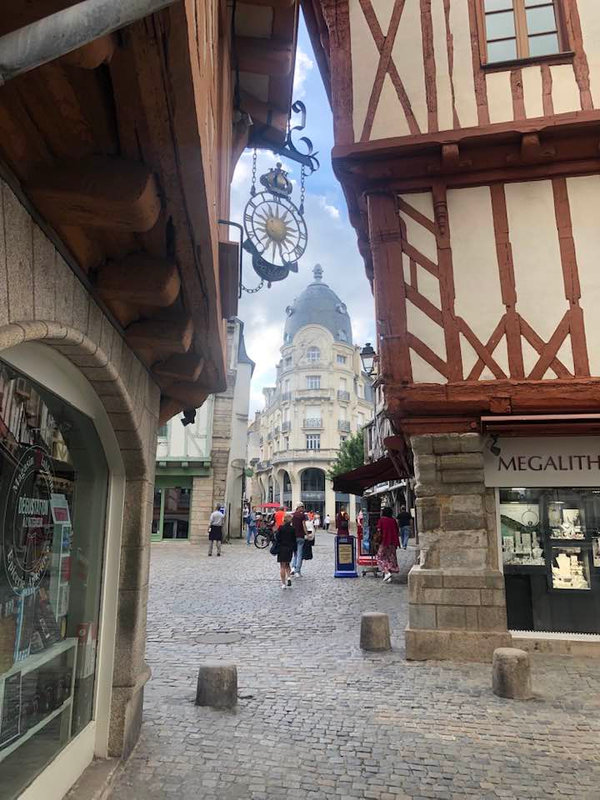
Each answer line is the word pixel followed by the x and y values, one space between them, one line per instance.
pixel 190 395
pixel 264 113
pixel 161 335
pixel 264 56
pixel 97 192
pixel 179 368
pixel 140 279
pixel 229 277
pixel 92 55
pixel 272 3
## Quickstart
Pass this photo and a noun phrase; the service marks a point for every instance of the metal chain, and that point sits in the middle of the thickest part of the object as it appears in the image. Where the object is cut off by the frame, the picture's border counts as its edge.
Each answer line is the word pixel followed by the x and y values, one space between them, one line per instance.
pixel 255 290
pixel 253 186
pixel 302 190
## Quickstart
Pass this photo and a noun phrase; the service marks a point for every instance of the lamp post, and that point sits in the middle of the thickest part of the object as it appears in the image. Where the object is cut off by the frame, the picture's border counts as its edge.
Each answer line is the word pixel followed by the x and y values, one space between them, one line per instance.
pixel 368 357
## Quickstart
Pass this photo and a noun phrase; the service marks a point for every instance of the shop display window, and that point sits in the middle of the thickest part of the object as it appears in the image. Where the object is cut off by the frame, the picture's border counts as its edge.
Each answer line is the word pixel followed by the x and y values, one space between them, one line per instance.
pixel 557 529
pixel 53 484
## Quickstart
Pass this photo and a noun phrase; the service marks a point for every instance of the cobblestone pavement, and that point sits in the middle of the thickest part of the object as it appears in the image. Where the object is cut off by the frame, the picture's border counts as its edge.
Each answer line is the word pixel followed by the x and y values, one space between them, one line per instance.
pixel 317 718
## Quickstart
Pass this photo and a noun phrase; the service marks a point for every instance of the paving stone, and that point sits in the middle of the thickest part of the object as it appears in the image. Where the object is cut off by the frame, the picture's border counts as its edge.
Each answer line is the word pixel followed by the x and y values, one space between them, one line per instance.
pixel 319 718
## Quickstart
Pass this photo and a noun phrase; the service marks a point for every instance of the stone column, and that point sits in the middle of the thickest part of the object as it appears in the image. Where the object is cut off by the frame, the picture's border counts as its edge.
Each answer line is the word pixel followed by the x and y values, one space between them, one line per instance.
pixel 330 500
pixel 201 507
pixel 457 605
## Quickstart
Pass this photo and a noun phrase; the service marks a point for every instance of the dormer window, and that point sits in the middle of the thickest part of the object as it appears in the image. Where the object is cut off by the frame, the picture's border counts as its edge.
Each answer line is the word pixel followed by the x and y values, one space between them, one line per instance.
pixel 520 29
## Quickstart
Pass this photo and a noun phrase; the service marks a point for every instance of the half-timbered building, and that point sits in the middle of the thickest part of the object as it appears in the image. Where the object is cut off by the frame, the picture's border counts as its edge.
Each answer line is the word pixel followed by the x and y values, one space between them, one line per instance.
pixel 467 142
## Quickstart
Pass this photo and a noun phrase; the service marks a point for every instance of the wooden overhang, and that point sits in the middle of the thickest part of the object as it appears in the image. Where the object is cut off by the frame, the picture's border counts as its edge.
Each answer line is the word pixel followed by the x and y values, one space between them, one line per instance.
pixel 110 149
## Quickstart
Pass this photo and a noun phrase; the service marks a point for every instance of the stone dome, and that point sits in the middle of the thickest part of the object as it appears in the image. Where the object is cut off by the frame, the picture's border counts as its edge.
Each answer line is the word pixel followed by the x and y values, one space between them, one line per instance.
pixel 318 305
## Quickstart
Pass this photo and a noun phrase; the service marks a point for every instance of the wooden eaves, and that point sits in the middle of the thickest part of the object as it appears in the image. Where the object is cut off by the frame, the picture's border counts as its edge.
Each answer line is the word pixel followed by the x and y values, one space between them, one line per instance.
pixel 124 151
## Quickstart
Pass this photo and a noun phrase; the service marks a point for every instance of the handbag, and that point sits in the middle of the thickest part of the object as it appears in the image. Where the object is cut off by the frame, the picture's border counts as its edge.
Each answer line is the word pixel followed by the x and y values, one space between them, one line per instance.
pixel 309 536
pixel 274 549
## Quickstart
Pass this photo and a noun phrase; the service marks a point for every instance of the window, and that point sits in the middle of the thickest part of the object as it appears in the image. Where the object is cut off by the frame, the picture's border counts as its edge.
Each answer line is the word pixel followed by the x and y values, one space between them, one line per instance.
pixel 341 359
pixel 313 354
pixel 287 362
pixel 286 443
pixel 343 438
pixel 313 441
pixel 520 29
pixel 163 432
pixel 313 381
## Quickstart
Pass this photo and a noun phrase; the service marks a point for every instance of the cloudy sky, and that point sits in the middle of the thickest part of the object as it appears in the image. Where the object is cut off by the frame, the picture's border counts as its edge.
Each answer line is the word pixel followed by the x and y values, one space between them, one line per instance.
pixel 331 239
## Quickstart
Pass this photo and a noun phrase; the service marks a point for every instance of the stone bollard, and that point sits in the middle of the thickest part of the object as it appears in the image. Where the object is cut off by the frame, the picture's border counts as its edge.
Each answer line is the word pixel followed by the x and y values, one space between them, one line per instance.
pixel 375 631
pixel 217 685
pixel 511 673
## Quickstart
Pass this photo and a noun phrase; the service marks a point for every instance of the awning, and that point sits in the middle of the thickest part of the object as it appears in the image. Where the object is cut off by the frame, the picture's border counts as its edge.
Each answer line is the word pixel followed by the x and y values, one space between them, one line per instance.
pixel 357 480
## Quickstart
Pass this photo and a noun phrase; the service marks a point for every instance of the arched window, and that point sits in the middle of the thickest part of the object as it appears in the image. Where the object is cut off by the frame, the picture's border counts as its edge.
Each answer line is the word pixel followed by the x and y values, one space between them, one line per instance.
pixel 313 480
pixel 313 354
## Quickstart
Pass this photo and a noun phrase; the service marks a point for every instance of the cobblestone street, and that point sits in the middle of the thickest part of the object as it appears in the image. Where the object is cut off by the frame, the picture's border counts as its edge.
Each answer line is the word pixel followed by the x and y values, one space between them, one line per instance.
pixel 317 718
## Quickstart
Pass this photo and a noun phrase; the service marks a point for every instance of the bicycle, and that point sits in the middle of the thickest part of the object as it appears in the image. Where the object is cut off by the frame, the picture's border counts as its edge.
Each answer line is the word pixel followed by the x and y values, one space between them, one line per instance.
pixel 264 537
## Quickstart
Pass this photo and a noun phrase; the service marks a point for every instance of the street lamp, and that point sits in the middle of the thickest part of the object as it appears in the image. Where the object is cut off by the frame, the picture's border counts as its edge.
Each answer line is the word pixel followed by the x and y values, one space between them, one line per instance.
pixel 368 356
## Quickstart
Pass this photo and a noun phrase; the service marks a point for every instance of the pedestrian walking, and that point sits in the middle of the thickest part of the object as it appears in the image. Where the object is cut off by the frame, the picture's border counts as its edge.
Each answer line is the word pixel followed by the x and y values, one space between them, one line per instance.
pixel 251 526
pixel 404 523
pixel 279 517
pixel 317 521
pixel 342 522
pixel 215 530
pixel 285 545
pixel 389 540
pixel 327 522
pixel 299 522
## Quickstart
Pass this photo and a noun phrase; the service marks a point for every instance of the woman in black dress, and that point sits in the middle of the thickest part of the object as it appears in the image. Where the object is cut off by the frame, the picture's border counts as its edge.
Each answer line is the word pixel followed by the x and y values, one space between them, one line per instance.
pixel 286 544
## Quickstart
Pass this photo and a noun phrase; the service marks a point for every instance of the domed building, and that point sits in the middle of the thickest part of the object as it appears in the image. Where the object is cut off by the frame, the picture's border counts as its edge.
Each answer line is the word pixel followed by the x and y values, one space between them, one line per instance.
pixel 322 396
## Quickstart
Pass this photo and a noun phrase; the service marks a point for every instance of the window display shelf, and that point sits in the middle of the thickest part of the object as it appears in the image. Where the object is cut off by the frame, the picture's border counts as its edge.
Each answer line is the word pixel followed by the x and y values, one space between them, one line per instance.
pixel 10 748
pixel 33 662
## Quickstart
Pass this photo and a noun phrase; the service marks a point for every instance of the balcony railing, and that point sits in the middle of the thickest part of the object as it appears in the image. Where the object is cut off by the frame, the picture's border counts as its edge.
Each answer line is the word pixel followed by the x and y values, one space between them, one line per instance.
pixel 312 422
pixel 286 427
pixel 262 465
pixel 321 394
pixel 344 425
pixel 343 396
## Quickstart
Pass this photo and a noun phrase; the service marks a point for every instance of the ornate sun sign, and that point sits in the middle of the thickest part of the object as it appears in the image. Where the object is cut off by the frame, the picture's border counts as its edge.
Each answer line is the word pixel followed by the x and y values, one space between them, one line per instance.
pixel 275 228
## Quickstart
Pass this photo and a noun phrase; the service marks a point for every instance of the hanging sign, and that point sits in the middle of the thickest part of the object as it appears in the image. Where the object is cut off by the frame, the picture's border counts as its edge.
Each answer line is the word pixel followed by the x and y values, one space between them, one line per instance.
pixel 345 557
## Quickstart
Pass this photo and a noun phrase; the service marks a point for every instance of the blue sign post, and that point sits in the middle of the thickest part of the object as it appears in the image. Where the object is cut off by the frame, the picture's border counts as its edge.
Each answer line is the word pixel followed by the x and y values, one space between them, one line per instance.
pixel 345 557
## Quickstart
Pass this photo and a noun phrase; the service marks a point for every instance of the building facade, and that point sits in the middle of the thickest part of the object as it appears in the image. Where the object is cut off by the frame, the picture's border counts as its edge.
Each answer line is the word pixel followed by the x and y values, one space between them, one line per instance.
pixel 203 464
pixel 116 278
pixel 466 144
pixel 321 397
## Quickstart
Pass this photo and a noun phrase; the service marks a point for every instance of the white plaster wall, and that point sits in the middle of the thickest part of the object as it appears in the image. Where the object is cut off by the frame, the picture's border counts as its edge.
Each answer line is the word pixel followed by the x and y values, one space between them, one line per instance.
pixel 408 57
pixel 565 92
pixel 532 91
pixel 584 198
pixel 499 96
pixel 538 270
pixel 476 280
pixel 365 58
pixel 589 14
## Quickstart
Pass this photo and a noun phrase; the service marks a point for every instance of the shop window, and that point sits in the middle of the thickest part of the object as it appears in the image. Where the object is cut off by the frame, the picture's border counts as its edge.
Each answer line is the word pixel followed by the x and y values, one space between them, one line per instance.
pixel 551 557
pixel 176 513
pixel 313 381
pixel 516 29
pixel 53 485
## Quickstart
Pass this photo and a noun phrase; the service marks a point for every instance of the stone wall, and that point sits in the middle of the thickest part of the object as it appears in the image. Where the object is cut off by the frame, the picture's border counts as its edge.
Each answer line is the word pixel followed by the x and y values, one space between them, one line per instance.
pixel 201 508
pixel 42 300
pixel 457 606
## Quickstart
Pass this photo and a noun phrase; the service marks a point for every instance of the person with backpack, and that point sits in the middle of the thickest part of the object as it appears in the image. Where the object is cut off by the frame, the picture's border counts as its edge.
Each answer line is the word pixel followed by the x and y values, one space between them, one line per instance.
pixel 342 522
pixel 284 547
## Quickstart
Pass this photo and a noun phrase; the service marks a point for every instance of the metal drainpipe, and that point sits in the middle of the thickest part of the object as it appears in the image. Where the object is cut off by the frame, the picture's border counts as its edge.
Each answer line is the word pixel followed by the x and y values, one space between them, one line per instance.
pixel 61 33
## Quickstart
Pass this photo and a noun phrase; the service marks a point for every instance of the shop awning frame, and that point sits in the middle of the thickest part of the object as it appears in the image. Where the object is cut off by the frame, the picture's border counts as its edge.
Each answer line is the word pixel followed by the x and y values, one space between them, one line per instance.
pixel 357 480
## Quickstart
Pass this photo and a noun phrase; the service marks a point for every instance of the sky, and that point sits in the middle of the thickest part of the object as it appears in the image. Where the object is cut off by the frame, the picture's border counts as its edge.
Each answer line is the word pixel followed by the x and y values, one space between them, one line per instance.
pixel 331 238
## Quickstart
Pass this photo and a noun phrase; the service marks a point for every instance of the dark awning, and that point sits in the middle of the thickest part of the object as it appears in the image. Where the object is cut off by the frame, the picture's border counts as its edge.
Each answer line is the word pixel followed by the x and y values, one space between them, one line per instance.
pixel 357 480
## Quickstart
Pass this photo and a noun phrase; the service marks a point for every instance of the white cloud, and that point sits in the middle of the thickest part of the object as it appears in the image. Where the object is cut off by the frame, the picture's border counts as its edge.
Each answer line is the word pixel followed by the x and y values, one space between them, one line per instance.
pixel 333 211
pixel 304 64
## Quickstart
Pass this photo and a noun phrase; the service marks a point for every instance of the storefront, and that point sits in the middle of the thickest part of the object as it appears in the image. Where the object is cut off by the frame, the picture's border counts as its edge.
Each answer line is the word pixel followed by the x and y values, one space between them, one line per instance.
pixel 548 519
pixel 61 501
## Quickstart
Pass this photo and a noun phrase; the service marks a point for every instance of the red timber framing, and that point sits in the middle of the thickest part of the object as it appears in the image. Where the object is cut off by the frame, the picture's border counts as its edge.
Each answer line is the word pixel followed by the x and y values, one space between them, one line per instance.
pixel 378 178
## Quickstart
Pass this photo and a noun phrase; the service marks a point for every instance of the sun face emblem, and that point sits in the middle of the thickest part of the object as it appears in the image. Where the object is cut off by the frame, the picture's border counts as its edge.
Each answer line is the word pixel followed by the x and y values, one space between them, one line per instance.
pixel 275 229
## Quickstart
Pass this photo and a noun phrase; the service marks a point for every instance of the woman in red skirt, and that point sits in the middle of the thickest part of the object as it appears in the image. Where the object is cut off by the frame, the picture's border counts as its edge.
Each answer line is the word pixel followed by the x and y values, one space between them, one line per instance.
pixel 387 528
